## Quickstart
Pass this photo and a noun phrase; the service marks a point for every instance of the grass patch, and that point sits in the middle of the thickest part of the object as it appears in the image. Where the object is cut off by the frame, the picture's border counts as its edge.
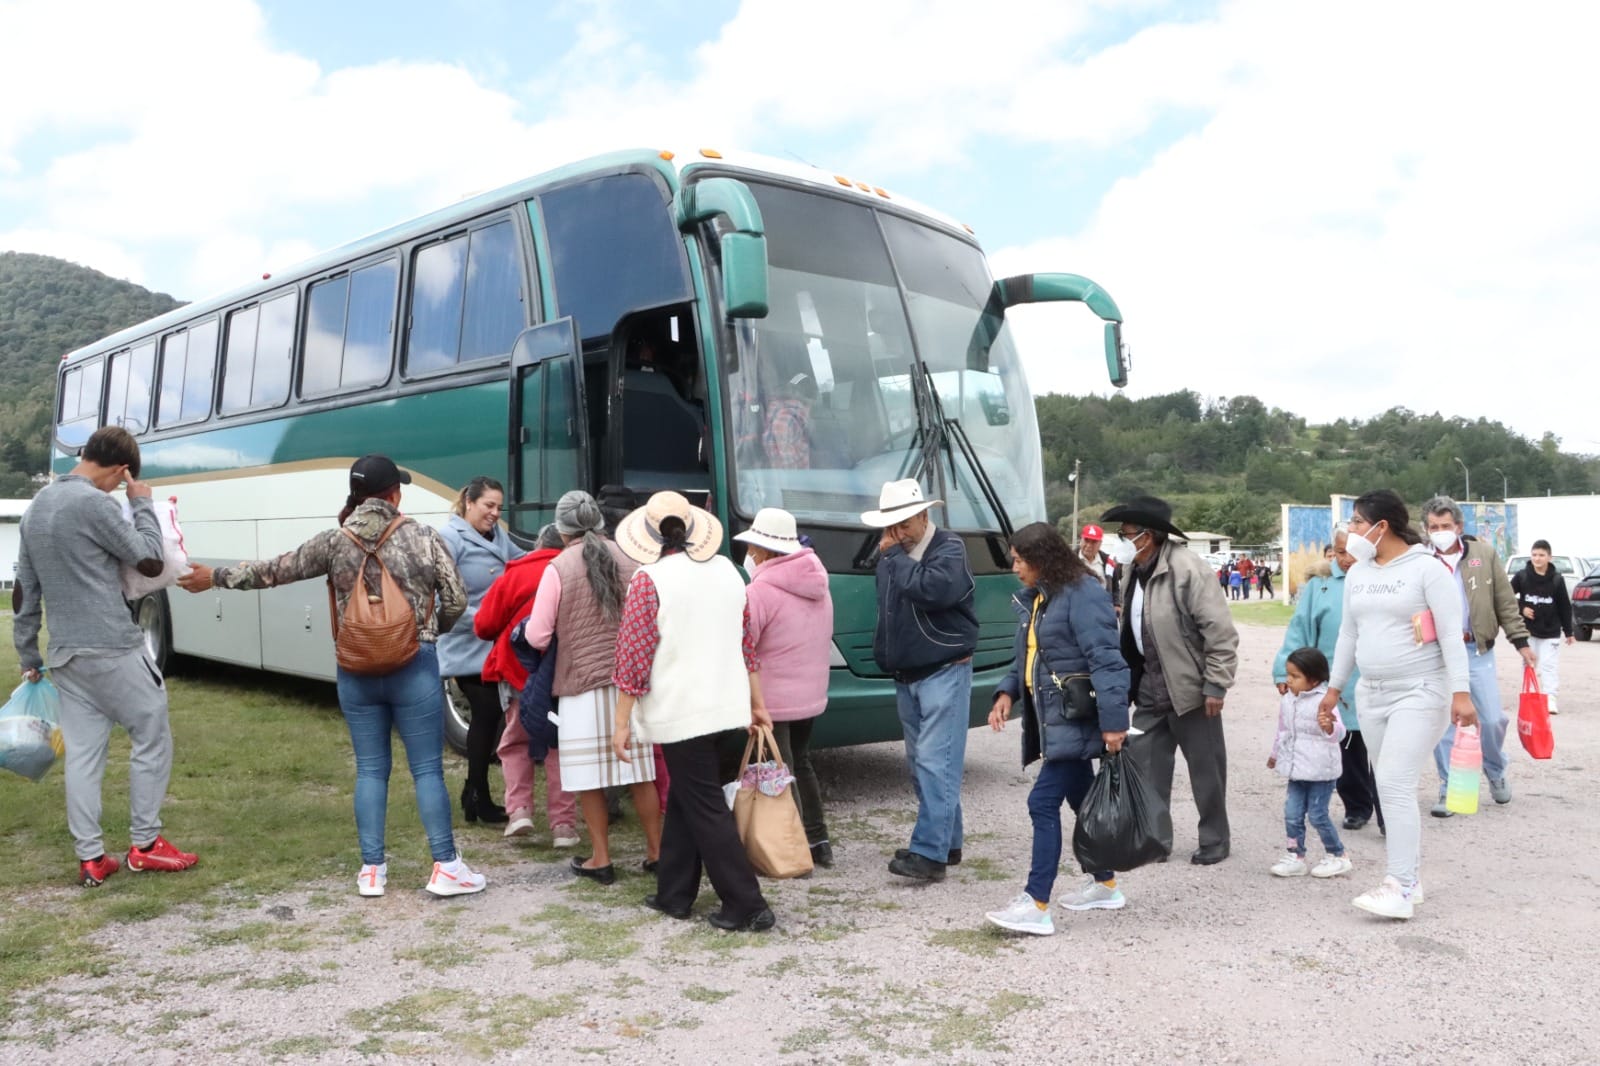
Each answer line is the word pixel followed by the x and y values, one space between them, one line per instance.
pixel 1261 612
pixel 702 994
pixel 168 1021
pixel 580 936
pixel 283 982
pixel 441 954
pixel 808 1038
pixel 294 1047
pixel 983 943
pixel 985 870
pixel 478 1028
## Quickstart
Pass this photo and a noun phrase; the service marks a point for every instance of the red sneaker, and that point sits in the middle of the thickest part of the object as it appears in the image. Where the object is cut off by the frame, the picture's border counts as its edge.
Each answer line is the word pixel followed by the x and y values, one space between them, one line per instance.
pixel 93 872
pixel 160 855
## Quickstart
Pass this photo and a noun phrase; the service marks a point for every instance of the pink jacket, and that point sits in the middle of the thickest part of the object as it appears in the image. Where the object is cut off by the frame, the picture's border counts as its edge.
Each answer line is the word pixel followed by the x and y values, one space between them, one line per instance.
pixel 791 619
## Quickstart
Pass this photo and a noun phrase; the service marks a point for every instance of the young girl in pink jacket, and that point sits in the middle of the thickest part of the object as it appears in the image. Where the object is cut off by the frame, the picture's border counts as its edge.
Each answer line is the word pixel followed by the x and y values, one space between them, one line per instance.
pixel 1306 751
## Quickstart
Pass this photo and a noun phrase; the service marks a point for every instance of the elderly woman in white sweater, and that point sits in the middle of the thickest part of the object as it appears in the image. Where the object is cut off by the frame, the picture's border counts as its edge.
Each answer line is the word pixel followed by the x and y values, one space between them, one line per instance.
pixel 686 668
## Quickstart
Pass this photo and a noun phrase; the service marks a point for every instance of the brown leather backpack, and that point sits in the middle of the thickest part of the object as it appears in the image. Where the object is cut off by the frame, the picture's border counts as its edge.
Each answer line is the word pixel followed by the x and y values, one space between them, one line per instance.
pixel 376 636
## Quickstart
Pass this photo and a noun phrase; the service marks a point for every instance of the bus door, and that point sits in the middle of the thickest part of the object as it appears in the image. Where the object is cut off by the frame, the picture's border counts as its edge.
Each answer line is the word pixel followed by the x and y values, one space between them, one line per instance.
pixel 548 449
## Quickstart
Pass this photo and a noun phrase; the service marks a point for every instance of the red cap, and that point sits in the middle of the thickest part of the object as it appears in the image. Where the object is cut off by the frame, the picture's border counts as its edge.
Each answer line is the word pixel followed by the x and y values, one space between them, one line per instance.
pixel 1093 533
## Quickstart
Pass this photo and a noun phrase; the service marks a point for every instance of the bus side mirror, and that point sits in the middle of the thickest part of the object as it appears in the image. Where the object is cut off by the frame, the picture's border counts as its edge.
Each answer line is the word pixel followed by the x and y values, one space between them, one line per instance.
pixel 1117 362
pixel 1075 288
pixel 744 250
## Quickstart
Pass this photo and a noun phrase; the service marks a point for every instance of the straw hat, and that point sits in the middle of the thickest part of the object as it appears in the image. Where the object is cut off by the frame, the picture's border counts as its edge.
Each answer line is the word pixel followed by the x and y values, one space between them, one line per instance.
pixel 773 529
pixel 639 534
pixel 898 501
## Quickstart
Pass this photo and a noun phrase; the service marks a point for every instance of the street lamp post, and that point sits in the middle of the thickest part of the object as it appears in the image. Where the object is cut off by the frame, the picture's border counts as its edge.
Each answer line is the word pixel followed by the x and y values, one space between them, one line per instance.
pixel 1468 474
pixel 1077 528
pixel 1505 484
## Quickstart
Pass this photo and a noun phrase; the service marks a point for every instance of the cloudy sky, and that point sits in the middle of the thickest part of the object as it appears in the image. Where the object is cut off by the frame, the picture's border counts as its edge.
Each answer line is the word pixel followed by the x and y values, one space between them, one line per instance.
pixel 1337 208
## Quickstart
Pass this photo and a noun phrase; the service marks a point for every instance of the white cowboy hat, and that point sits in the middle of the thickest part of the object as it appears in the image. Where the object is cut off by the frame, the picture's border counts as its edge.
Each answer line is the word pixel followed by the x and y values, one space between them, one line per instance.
pixel 774 530
pixel 898 501
pixel 639 534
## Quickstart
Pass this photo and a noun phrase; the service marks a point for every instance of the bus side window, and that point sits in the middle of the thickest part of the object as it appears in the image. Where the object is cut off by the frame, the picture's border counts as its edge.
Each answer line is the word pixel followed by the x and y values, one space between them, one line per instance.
pixel 128 397
pixel 80 402
pixel 188 363
pixel 466 299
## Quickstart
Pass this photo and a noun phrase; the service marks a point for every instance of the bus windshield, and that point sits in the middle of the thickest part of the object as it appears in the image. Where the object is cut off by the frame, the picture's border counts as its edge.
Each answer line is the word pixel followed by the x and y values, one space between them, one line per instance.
pixel 820 391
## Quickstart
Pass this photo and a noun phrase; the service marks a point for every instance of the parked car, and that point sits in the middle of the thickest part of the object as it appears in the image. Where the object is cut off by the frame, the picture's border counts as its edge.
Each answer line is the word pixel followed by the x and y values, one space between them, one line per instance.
pixel 1586 605
pixel 1572 568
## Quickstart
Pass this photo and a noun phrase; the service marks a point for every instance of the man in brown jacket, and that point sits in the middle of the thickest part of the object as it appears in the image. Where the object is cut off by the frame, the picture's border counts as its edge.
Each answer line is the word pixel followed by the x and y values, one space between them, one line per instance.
pixel 1180 643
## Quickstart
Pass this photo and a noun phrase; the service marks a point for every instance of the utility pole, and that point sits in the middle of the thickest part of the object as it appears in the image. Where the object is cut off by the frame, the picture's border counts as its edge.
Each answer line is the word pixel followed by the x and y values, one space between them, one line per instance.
pixel 1077 527
pixel 1468 474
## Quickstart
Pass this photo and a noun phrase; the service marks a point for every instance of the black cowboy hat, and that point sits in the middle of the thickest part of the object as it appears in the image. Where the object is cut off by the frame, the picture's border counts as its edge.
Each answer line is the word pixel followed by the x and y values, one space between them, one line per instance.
pixel 1151 512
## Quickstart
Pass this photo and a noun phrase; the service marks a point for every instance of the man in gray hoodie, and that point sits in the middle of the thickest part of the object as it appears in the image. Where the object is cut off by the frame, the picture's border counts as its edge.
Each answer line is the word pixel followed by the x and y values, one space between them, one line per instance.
pixel 74 543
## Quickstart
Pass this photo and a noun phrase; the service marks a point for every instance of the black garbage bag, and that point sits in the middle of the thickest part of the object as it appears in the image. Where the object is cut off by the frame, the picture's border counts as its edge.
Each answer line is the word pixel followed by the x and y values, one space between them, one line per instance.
pixel 1122 823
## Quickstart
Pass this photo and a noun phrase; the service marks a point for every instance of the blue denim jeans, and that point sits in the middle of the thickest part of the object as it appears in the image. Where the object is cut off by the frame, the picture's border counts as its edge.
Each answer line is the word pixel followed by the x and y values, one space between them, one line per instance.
pixel 934 713
pixel 1309 800
pixel 409 702
pixel 1059 780
pixel 1484 684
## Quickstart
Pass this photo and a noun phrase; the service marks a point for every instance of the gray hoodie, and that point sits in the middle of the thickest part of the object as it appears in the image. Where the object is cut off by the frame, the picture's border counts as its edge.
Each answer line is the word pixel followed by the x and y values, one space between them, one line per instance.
pixel 1377 633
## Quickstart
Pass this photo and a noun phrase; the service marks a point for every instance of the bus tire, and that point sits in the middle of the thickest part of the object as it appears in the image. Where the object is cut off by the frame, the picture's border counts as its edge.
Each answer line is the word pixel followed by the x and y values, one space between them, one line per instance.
pixel 457 716
pixel 153 616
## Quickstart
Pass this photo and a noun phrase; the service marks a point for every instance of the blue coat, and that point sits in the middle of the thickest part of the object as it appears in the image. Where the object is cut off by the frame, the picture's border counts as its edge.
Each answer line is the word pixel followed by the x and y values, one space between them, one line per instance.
pixel 1077 635
pixel 1316 625
pixel 927 615
pixel 537 698
pixel 480 561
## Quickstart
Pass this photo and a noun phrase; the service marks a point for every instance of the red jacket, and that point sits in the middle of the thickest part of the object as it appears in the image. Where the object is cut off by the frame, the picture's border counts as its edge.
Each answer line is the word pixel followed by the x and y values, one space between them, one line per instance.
pixel 508 601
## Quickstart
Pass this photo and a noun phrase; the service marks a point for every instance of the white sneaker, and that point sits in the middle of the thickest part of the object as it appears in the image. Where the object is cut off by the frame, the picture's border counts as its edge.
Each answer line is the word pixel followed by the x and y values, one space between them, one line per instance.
pixel 455 878
pixel 1291 865
pixel 1091 895
pixel 372 878
pixel 1388 900
pixel 1550 703
pixel 521 823
pixel 565 836
pixel 1416 894
pixel 1023 915
pixel 1332 866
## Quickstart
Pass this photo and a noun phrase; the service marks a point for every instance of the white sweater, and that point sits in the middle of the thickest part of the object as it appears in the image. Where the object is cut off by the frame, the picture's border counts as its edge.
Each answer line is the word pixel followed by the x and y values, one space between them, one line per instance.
pixel 698 683
pixel 1376 633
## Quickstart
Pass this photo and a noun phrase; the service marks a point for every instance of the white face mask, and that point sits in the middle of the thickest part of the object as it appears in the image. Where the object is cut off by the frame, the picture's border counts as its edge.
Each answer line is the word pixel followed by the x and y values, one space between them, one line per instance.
pixel 1125 550
pixel 1363 549
pixel 1443 539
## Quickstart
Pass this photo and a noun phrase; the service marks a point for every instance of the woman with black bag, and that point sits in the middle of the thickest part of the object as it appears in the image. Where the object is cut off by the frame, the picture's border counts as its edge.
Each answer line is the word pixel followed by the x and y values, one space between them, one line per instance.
pixel 1071 682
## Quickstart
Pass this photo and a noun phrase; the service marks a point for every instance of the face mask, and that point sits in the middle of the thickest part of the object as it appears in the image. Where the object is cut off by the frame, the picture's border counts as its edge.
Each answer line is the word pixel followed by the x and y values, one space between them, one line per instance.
pixel 1363 549
pixel 1443 539
pixel 749 564
pixel 1125 550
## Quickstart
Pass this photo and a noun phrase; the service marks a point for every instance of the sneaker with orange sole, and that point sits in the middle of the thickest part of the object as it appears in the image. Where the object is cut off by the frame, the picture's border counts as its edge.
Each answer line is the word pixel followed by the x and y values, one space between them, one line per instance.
pixel 455 878
pixel 93 872
pixel 160 855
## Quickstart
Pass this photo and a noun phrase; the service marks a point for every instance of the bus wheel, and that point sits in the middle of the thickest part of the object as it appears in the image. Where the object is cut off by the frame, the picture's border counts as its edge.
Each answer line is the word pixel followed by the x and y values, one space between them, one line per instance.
pixel 457 715
pixel 154 619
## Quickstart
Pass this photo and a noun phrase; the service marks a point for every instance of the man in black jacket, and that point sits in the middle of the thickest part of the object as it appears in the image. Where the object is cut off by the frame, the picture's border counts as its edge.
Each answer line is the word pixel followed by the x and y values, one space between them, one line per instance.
pixel 927 631
pixel 1542 598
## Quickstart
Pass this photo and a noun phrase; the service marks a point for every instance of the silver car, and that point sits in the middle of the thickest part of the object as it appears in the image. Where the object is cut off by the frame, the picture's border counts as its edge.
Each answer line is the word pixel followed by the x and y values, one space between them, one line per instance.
pixel 1572 568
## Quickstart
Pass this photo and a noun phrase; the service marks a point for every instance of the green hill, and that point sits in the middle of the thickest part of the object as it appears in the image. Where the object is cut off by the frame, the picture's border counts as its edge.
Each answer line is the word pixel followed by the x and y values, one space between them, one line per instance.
pixel 48 307
pixel 1226 464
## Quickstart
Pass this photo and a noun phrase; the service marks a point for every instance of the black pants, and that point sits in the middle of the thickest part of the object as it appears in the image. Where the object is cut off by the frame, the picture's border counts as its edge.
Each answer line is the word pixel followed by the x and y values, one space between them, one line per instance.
pixel 794 744
pixel 699 832
pixel 483 731
pixel 1204 751
pixel 1358 789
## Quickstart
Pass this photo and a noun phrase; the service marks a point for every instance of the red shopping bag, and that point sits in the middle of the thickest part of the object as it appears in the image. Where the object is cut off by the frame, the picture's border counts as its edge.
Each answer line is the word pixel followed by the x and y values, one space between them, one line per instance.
pixel 1533 718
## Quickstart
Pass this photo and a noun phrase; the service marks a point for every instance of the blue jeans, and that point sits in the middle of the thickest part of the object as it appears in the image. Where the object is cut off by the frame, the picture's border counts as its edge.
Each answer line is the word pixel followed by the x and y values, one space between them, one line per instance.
pixel 934 713
pixel 1309 799
pixel 1485 687
pixel 1059 779
pixel 410 702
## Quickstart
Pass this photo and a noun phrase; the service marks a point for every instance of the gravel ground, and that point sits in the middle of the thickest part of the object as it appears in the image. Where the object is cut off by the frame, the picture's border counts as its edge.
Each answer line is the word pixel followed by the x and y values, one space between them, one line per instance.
pixel 1205 965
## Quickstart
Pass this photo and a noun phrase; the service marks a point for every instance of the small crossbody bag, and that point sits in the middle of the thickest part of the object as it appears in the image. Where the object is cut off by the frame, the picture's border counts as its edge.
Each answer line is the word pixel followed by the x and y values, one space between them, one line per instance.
pixel 1077 690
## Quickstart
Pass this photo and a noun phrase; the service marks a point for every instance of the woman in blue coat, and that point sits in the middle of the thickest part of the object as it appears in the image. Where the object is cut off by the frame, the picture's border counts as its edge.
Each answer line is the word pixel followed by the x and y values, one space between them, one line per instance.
pixel 481 550
pixel 1071 682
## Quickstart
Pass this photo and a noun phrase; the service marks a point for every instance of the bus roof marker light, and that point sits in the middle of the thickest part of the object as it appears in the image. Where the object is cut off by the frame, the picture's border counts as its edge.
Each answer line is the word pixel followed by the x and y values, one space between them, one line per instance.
pixel 842 180
pixel 863 186
pixel 881 192
pixel 667 156
pixel 711 153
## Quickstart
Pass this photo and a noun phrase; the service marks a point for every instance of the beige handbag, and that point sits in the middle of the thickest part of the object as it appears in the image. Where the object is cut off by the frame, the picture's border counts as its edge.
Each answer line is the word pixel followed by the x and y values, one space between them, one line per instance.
pixel 769 826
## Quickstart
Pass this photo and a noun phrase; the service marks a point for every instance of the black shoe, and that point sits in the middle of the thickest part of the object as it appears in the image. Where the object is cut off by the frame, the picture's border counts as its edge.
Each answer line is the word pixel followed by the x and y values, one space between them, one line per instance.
pixel 822 855
pixel 653 901
pixel 759 922
pixel 952 859
pixel 650 866
pixel 917 867
pixel 1352 822
pixel 477 807
pixel 1209 856
pixel 606 875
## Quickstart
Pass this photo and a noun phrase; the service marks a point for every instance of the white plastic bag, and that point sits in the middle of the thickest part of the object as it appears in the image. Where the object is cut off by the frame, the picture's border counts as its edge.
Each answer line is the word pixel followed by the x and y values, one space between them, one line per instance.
pixel 175 560
pixel 30 738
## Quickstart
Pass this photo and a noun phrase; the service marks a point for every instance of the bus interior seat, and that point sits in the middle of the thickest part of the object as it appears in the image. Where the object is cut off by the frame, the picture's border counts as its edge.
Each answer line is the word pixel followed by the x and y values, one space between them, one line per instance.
pixel 661 431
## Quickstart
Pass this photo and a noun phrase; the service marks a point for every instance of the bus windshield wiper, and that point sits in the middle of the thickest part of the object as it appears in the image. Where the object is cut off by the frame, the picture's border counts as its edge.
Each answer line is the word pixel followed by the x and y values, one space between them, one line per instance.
pixel 952 430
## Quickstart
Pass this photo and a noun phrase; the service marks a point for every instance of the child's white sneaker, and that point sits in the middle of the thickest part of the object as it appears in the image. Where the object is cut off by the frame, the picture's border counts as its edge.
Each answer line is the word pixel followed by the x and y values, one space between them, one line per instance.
pixel 1023 915
pixel 455 878
pixel 1331 866
pixel 372 878
pixel 1388 900
pixel 1291 865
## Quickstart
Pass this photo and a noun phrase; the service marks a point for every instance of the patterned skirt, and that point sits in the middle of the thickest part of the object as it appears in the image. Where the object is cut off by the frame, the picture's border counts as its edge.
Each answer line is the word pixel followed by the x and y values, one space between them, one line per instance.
pixel 587 759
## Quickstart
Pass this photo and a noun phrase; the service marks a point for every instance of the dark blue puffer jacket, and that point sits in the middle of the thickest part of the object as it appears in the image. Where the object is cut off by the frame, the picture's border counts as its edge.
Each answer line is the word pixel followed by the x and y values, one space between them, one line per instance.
pixel 1077 635
pixel 537 698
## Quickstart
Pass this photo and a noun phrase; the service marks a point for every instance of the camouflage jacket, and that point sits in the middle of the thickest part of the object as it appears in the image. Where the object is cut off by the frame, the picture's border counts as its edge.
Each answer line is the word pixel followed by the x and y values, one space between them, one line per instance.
pixel 415 555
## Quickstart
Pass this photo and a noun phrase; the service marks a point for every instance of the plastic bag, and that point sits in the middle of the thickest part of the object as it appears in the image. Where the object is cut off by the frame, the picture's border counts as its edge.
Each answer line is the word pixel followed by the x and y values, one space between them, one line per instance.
pixel 174 558
pixel 1122 823
pixel 30 738
pixel 1533 718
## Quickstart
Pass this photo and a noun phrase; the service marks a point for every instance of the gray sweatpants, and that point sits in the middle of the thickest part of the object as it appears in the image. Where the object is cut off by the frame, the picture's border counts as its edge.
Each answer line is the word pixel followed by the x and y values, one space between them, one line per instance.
pixel 1401 721
pixel 98 692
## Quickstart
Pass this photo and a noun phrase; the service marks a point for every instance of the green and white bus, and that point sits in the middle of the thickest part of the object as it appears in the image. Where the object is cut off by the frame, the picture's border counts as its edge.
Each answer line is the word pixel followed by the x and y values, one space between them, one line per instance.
pixel 747 331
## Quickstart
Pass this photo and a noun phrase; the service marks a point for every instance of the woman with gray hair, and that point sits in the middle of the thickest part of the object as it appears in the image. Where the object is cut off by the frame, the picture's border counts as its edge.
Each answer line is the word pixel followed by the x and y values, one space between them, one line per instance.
pixel 579 601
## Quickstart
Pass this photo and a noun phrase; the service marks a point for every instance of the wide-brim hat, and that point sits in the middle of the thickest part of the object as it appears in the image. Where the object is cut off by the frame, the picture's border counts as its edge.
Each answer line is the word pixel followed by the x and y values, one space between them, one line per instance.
pixel 639 534
pixel 1151 512
pixel 773 529
pixel 898 501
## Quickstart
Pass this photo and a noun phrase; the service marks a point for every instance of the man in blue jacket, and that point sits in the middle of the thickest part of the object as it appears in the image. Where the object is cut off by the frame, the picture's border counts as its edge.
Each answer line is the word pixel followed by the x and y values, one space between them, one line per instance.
pixel 926 634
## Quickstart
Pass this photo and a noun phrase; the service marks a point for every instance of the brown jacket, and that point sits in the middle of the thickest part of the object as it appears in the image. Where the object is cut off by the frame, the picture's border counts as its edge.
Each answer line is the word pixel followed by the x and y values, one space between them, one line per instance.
pixel 1194 632
pixel 1491 602
pixel 586 652
pixel 415 555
